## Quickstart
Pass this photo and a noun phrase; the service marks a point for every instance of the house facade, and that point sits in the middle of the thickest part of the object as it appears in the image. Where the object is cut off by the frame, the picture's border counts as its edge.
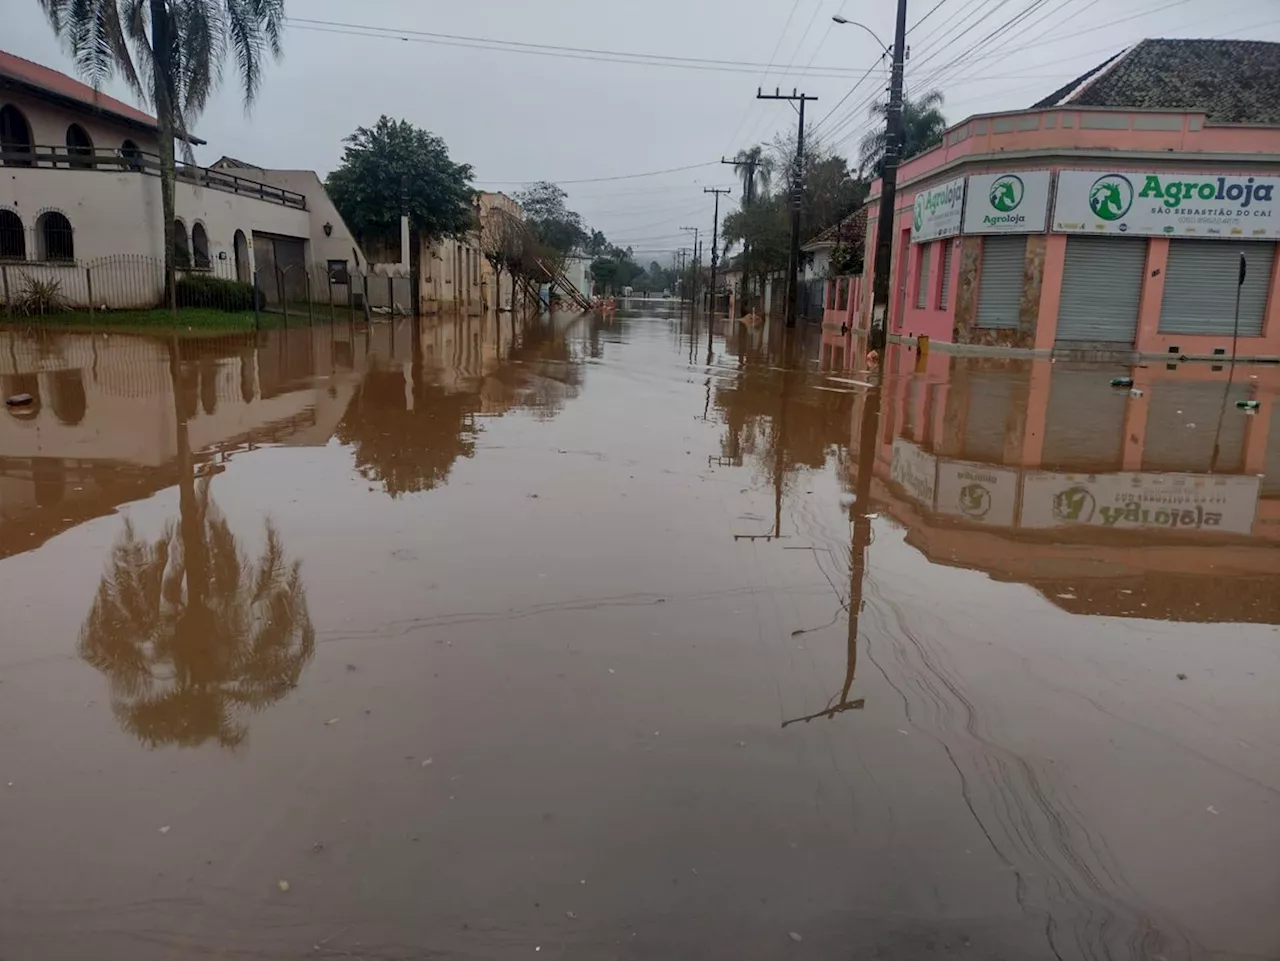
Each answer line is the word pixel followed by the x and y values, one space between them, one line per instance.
pixel 1078 225
pixel 80 203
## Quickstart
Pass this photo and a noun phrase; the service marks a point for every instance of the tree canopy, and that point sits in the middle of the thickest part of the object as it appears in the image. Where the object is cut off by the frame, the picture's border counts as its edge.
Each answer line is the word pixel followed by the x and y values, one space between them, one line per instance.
pixel 394 162
pixel 922 124
pixel 558 229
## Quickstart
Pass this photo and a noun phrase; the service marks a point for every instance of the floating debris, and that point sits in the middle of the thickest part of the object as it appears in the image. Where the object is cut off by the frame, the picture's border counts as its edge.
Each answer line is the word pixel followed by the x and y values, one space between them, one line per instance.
pixel 283 885
pixel 795 937
pixel 165 829
pixel 19 400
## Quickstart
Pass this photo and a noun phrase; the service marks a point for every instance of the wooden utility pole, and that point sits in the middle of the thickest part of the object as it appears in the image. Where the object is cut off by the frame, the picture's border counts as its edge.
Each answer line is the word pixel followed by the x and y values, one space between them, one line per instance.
pixel 889 183
pixel 797 196
pixel 693 284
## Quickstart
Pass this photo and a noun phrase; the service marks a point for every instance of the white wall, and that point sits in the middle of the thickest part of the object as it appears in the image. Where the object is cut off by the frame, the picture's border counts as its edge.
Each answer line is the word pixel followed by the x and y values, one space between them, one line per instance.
pixel 49 124
pixel 224 213
pixel 821 263
pixel 320 211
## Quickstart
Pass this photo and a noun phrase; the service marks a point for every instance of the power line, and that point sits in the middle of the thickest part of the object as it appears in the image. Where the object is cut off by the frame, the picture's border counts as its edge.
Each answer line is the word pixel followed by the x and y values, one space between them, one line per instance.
pixel 406 34
pixel 601 180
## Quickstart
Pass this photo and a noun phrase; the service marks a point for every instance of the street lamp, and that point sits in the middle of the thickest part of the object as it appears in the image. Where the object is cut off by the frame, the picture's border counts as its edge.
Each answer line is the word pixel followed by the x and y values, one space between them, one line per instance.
pixel 854 23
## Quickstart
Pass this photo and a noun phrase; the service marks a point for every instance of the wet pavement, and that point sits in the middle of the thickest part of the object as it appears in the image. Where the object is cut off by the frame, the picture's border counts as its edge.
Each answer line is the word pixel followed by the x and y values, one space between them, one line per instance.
pixel 480 638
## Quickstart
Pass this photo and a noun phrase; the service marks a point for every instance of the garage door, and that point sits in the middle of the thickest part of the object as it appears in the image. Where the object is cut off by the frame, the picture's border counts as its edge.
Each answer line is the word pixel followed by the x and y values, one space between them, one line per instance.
pixel 1000 281
pixel 1101 284
pixel 1182 427
pixel 1084 425
pixel 1200 287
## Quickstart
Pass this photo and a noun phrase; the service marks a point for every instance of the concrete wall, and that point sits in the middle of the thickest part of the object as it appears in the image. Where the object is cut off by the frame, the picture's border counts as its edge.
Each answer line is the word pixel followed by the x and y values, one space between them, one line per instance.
pixel 224 213
pixel 49 124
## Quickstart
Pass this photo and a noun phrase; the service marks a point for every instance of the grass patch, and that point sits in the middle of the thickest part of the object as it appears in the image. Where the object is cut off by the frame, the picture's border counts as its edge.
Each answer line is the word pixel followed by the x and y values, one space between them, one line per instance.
pixel 194 320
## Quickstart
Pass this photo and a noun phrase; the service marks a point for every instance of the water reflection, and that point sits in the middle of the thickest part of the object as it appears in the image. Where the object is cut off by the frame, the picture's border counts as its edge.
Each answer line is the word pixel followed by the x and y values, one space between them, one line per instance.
pixel 1160 503
pixel 191 635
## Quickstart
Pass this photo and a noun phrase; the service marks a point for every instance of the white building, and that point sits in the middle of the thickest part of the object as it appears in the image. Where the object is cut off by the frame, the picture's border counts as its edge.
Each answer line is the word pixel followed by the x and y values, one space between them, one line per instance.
pixel 80 202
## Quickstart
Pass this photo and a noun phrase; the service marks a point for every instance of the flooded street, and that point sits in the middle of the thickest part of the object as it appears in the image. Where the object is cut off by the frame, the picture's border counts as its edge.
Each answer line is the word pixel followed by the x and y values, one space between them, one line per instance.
pixel 480 638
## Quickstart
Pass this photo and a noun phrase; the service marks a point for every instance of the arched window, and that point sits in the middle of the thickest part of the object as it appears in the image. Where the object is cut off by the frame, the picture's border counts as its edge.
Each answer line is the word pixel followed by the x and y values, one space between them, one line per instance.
pixel 15 137
pixel 242 257
pixel 54 235
pixel 13 239
pixel 181 248
pixel 200 246
pixel 131 154
pixel 79 146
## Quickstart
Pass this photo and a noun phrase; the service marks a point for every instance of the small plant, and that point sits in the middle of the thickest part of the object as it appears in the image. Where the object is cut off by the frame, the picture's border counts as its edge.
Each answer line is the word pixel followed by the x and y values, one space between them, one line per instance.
pixel 217 293
pixel 36 296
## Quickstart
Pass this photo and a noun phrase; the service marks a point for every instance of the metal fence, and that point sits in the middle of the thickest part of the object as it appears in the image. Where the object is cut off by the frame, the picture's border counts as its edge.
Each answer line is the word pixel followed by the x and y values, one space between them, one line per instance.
pixel 132 282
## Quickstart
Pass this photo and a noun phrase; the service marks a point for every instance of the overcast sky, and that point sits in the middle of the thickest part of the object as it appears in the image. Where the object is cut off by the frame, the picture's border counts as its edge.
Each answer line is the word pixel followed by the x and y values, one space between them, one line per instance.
pixel 522 117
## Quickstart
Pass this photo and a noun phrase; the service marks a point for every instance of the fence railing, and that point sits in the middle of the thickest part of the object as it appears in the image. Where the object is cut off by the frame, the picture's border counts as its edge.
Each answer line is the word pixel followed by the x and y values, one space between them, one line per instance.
pixel 97 158
pixel 134 282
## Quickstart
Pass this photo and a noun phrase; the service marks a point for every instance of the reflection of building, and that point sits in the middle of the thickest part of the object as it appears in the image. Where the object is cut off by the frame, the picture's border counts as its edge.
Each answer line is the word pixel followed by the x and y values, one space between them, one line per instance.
pixel 80 202
pixel 1041 473
pixel 1113 213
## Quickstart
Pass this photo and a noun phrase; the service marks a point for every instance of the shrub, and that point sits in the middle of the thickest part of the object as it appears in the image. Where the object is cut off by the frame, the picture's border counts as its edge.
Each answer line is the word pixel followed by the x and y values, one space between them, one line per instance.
pixel 197 290
pixel 36 296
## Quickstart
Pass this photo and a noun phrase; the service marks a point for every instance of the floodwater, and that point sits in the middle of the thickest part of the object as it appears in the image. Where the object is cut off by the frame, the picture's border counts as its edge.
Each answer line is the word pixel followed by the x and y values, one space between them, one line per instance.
pixel 481 638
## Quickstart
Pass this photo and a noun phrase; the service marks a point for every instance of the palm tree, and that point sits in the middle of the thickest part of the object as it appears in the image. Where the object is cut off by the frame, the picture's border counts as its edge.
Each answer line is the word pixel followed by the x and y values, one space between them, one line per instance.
pixel 170 53
pixel 191 635
pixel 922 125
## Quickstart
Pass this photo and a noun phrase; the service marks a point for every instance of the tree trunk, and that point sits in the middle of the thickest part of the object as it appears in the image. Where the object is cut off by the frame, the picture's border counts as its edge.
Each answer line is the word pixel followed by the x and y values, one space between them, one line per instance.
pixel 497 290
pixel 162 93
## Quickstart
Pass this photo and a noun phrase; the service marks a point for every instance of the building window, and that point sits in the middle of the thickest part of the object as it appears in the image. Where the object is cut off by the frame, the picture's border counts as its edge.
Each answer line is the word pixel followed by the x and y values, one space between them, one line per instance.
pixel 13 239
pixel 240 248
pixel 922 276
pixel 79 146
pixel 181 247
pixel 15 137
pixel 53 230
pixel 338 273
pixel 200 246
pixel 131 154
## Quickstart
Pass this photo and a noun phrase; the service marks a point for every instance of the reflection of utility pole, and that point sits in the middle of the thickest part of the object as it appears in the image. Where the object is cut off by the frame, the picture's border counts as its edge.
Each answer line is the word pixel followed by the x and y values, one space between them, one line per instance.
pixel 693 278
pixel 797 196
pixel 860 521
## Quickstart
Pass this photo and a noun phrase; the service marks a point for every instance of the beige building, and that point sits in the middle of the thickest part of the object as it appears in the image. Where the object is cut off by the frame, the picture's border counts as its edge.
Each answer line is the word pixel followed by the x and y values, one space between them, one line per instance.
pixel 80 202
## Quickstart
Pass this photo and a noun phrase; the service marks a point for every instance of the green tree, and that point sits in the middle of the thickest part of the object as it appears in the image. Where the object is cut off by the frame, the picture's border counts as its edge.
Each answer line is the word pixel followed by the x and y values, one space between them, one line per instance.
pixel 171 53
pixel 394 163
pixel 766 226
pixel 755 169
pixel 191 635
pixel 558 229
pixel 922 124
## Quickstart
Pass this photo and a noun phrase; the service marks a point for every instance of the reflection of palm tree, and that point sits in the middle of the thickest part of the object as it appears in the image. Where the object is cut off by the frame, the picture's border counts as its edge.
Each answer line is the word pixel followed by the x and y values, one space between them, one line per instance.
pixel 191 635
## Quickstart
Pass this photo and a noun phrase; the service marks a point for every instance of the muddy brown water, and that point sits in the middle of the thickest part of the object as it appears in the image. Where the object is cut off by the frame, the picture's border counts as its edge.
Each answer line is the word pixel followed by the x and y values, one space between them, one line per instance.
pixel 484 638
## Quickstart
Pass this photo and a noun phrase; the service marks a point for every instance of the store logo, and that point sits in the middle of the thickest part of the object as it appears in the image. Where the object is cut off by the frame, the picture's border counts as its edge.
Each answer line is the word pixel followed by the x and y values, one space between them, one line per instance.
pixel 975 500
pixel 1173 192
pixel 919 217
pixel 1074 505
pixel 1006 193
pixel 1111 196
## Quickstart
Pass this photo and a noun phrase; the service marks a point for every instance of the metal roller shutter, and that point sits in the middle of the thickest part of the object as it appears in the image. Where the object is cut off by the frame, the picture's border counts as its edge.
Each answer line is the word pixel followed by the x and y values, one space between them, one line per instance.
pixel 1173 445
pixel 1000 281
pixel 1101 284
pixel 1084 424
pixel 945 293
pixel 1200 287
pixel 922 277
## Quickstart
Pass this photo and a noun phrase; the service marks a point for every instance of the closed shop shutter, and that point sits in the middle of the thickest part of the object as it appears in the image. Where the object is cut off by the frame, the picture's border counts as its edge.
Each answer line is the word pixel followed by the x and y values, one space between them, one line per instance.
pixel 990 414
pixel 922 277
pixel 1101 284
pixel 1084 424
pixel 945 294
pixel 1000 281
pixel 1200 287
pixel 1172 445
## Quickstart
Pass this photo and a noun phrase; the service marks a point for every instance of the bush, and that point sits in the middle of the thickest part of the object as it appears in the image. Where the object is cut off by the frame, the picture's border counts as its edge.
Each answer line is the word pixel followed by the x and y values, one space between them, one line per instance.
pixel 36 296
pixel 216 293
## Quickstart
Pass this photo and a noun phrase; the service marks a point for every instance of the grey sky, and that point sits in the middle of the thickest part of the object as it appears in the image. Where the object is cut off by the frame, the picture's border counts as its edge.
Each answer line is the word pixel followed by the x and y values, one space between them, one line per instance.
pixel 519 117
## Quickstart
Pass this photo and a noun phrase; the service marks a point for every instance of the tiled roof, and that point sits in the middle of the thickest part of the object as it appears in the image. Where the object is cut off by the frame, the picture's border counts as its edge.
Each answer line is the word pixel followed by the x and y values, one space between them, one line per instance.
pixel 33 75
pixel 1232 81
pixel 854 232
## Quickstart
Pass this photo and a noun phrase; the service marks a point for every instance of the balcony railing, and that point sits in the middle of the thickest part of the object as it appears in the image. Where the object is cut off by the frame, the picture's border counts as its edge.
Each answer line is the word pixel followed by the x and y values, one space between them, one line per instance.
pixel 84 158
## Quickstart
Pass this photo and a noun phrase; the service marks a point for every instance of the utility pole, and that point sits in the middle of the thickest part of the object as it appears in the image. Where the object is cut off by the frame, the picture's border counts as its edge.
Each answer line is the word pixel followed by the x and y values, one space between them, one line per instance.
pixel 715 238
pixel 693 284
pixel 797 192
pixel 748 198
pixel 889 183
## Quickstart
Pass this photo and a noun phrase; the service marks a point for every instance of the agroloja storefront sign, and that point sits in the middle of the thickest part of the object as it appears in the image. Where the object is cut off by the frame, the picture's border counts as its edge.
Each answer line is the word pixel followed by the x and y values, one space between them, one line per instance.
pixel 937 211
pixel 1166 203
pixel 1016 202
